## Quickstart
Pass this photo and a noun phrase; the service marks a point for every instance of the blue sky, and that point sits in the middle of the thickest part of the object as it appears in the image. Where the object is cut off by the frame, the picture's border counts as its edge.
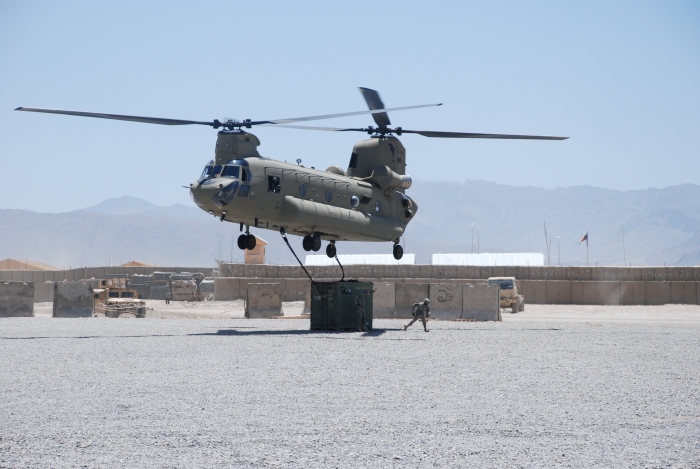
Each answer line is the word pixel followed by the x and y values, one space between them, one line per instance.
pixel 622 79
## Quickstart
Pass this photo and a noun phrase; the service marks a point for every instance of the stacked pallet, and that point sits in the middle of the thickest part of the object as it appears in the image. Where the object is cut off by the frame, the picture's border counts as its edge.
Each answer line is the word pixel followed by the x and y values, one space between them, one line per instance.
pixel 185 290
pixel 138 282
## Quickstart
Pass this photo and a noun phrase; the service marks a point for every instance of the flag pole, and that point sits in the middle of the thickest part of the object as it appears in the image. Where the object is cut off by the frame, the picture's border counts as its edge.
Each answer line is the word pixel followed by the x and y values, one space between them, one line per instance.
pixel 586 249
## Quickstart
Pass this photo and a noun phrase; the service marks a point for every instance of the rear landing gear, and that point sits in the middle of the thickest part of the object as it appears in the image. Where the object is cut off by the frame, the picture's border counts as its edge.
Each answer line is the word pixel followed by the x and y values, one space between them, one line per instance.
pixel 330 250
pixel 311 243
pixel 398 251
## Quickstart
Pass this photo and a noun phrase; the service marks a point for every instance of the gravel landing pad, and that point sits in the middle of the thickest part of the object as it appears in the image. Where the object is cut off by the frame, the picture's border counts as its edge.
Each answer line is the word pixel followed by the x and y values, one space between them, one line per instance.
pixel 533 391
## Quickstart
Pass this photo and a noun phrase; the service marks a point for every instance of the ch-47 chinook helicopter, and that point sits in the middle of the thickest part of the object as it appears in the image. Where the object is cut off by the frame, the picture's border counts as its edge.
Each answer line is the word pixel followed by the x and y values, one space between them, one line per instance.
pixel 366 202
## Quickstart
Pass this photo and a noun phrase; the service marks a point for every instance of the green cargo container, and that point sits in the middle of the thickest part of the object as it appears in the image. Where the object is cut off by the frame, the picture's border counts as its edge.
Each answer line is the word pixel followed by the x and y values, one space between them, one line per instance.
pixel 335 309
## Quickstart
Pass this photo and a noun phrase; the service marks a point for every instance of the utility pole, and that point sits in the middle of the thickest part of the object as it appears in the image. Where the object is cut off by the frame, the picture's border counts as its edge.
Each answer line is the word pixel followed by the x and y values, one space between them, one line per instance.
pixel 546 242
pixel 478 246
pixel 472 238
pixel 559 250
pixel 624 253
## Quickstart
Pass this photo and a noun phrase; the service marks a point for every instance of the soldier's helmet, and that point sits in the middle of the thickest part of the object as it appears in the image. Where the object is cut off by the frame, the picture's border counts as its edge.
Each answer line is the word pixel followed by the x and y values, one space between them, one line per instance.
pixel 427 300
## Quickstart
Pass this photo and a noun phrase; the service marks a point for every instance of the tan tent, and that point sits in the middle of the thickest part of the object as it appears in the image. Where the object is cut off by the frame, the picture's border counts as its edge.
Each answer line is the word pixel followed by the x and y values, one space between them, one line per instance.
pixel 14 264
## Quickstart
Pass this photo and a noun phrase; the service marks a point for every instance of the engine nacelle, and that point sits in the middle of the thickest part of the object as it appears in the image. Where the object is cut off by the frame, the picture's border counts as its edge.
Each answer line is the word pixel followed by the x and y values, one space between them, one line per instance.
pixel 385 178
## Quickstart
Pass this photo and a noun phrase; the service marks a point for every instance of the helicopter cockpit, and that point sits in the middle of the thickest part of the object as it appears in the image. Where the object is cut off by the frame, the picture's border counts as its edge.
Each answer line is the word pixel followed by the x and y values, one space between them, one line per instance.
pixel 237 169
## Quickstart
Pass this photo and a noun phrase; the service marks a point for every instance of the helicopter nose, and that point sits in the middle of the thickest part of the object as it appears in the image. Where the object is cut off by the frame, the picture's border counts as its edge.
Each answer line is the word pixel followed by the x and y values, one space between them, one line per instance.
pixel 216 194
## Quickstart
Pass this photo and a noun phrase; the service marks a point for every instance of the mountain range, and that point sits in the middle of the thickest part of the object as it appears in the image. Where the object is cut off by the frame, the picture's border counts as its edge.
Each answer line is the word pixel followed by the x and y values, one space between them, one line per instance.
pixel 641 227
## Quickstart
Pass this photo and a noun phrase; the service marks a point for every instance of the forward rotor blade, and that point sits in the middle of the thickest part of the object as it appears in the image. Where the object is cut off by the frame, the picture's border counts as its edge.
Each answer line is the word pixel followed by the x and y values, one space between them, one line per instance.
pixel 308 127
pixel 375 102
pixel 429 133
pixel 119 117
pixel 344 114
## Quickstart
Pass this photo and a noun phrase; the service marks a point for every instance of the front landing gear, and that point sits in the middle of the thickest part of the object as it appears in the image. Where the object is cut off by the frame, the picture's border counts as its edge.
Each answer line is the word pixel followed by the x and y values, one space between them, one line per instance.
pixel 246 241
pixel 398 251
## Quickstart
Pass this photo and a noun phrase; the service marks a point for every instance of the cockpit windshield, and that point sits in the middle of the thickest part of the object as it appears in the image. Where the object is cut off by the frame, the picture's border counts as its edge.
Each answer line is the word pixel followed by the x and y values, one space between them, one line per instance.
pixel 207 171
pixel 231 171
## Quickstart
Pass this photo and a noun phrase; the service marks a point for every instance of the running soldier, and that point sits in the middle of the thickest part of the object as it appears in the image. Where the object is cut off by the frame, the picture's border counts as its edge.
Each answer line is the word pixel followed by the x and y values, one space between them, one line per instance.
pixel 421 310
pixel 361 315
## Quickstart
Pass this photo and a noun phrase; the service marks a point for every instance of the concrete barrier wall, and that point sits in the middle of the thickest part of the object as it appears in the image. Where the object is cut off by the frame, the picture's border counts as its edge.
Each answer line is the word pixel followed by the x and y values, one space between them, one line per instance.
pixel 383 271
pixel 658 293
pixel 446 300
pixel 633 293
pixel 406 295
pixel 607 293
pixel 406 292
pixel 263 300
pixel 558 292
pixel 73 300
pixel 481 303
pixel 16 299
pixel 683 293
pixel 384 300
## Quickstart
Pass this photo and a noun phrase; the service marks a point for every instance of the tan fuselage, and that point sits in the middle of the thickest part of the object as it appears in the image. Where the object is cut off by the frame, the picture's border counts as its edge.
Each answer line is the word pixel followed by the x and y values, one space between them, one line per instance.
pixel 300 200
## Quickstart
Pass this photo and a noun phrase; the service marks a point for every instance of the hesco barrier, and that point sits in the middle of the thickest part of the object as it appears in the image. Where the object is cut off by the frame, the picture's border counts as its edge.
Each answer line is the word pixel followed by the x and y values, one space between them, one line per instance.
pixel 435 272
pixel 394 298
pixel 73 275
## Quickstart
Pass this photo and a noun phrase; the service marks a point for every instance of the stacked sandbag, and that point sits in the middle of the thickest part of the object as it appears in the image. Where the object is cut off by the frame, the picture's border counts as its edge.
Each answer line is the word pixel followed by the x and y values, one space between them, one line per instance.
pixel 184 290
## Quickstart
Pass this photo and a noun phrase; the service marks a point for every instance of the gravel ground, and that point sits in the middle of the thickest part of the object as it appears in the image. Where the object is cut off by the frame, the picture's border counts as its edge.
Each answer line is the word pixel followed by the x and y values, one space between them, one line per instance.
pixel 555 386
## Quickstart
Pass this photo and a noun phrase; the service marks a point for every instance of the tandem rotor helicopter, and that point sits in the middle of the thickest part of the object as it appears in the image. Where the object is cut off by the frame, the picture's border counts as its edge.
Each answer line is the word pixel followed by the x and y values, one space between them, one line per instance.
pixel 366 202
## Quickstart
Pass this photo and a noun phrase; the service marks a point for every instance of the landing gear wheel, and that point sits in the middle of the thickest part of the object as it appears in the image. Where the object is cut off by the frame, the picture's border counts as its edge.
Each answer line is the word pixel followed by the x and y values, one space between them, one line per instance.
pixel 316 243
pixel 330 250
pixel 306 243
pixel 250 242
pixel 242 240
pixel 398 252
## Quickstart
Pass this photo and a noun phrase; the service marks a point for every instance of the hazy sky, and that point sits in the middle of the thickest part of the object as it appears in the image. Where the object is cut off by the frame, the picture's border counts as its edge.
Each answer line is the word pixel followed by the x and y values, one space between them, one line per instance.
pixel 622 79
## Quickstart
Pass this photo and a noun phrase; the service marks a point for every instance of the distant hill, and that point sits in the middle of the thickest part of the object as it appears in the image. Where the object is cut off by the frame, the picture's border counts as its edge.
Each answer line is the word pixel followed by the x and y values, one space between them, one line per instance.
pixel 127 205
pixel 660 226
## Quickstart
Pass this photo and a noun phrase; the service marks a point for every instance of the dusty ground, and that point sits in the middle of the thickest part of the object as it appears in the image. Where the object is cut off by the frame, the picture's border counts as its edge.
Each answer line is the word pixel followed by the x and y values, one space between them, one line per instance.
pixel 555 386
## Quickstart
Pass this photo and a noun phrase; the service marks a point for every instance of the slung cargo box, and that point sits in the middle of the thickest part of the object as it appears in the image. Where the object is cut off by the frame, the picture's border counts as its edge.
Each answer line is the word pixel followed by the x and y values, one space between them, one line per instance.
pixel 335 307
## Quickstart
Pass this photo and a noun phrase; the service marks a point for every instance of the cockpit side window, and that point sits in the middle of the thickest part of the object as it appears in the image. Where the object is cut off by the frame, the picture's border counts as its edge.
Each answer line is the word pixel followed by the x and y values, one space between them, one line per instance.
pixel 231 171
pixel 353 161
pixel 207 171
pixel 245 175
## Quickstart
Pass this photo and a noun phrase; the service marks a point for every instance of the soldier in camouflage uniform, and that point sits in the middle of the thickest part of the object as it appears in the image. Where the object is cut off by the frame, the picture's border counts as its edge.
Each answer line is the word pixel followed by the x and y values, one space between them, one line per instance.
pixel 361 315
pixel 421 310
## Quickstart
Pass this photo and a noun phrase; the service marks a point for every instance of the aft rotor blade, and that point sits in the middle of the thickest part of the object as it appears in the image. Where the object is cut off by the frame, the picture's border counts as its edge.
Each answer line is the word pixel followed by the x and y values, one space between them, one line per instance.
pixel 429 133
pixel 119 117
pixel 344 114
pixel 425 133
pixel 375 102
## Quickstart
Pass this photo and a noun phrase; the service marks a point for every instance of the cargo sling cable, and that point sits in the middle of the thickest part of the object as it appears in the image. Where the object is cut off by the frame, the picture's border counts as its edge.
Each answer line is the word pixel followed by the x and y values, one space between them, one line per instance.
pixel 341 267
pixel 284 236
